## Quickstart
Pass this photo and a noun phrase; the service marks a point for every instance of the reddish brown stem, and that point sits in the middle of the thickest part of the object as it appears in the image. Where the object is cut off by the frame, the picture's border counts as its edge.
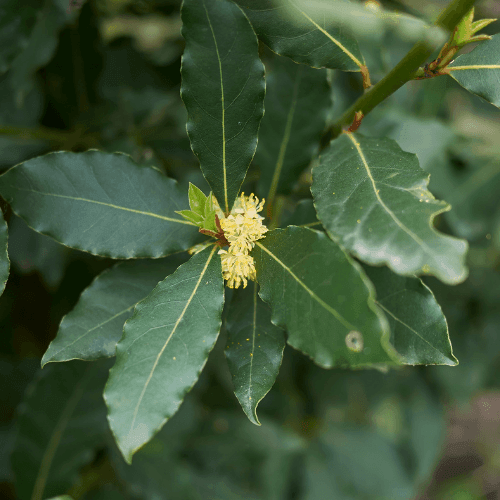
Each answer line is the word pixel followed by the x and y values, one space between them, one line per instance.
pixel 358 118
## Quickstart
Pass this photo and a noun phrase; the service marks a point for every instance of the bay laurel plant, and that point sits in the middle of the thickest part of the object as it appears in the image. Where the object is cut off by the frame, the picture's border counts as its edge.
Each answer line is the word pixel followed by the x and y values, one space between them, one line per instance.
pixel 335 276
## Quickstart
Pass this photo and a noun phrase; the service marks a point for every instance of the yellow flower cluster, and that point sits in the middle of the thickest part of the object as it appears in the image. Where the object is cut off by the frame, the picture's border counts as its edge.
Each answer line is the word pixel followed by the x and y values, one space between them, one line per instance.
pixel 242 228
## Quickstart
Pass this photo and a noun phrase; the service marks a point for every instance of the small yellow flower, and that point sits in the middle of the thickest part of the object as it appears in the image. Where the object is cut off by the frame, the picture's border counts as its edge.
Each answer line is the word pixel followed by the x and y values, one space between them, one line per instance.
pixel 242 228
pixel 237 268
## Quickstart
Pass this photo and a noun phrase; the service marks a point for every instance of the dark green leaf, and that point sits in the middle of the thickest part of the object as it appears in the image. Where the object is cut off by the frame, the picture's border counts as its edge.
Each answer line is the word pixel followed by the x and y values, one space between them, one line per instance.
pixel 4 256
pixel 16 25
pixel 16 113
pixel 60 425
pixel 349 463
pixel 223 89
pixel 163 350
pixel 304 215
pixel 297 103
pixel 302 36
pixel 101 203
pixel 94 327
pixel 479 70
pixel 41 45
pixel 157 466
pixel 31 252
pixel 254 349
pixel 372 198
pixel 322 299
pixel 418 327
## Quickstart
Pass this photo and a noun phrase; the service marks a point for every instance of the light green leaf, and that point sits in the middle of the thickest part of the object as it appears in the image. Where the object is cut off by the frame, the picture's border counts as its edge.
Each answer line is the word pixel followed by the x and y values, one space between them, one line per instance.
pixel 418 327
pixel 223 89
pixel 102 203
pixel 61 423
pixel 298 33
pixel 16 25
pixel 191 217
pixel 372 198
pixel 4 256
pixel 322 299
pixel 163 350
pixel 94 327
pixel 297 102
pixel 209 222
pixel 479 70
pixel 197 200
pixel 254 349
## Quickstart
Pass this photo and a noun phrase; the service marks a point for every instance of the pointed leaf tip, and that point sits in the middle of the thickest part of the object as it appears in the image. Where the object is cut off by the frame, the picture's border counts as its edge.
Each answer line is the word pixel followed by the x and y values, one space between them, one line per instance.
pixel 163 349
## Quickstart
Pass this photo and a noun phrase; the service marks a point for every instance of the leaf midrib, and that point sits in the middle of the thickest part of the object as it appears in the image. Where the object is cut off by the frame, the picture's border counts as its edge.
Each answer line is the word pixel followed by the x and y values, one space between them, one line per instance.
pixel 224 170
pixel 408 327
pixel 110 205
pixel 473 66
pixel 320 301
pixel 344 49
pixel 87 332
pixel 179 319
pixel 393 216
pixel 286 138
pixel 55 438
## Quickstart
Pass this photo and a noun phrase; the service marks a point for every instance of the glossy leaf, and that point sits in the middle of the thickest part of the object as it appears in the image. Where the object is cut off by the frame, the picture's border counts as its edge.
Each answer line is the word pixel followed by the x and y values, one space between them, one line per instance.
pixel 254 349
pixel 223 89
pixel 297 102
pixel 61 423
pixel 303 36
pixel 15 28
pixel 163 350
pixel 94 327
pixel 479 70
pixel 102 203
pixel 4 256
pixel 372 198
pixel 322 299
pixel 197 200
pixel 418 327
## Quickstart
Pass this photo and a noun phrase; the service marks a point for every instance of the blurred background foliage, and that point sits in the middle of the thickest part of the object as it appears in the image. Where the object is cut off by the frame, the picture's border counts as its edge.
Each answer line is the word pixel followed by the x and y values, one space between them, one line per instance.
pixel 105 75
